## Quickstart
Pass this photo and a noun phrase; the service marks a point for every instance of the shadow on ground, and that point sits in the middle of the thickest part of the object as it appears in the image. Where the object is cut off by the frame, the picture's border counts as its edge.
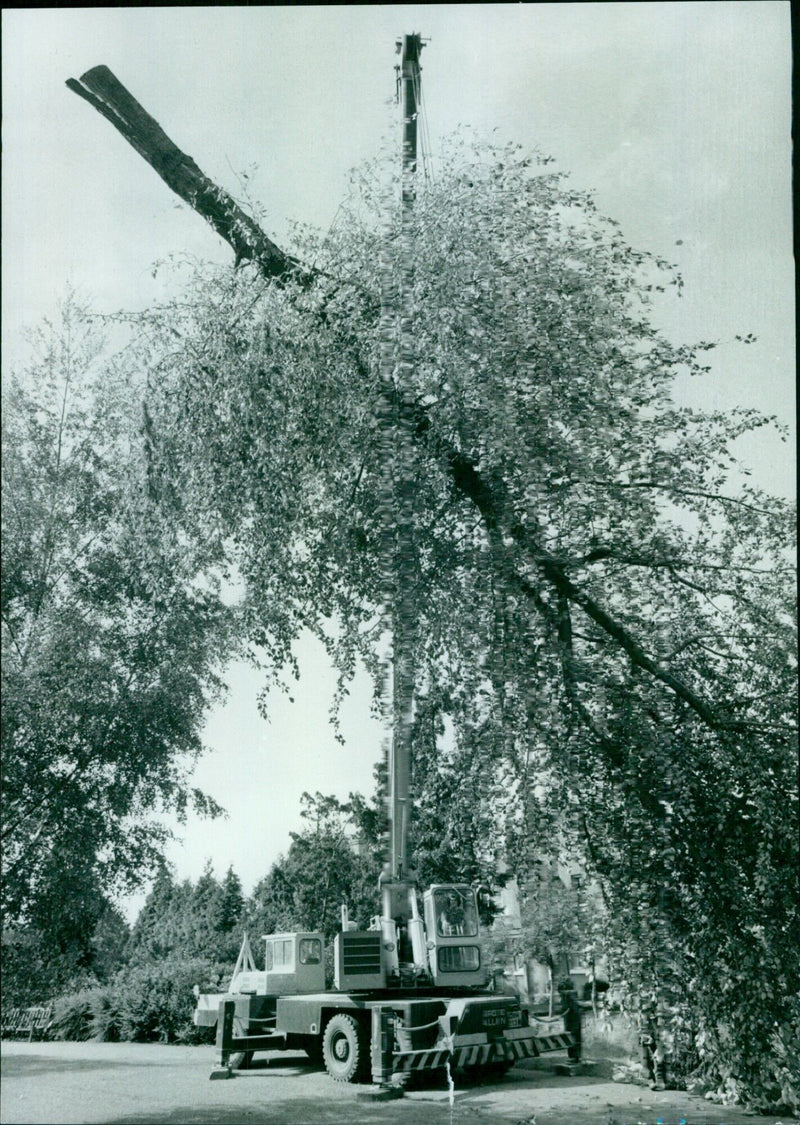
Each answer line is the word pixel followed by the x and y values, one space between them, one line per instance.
pixel 285 1061
pixel 22 1066
pixel 539 1078
pixel 309 1111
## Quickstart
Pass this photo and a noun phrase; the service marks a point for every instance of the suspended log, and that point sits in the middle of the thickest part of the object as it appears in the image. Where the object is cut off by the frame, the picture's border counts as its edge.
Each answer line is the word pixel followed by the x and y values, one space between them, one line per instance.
pixel 105 93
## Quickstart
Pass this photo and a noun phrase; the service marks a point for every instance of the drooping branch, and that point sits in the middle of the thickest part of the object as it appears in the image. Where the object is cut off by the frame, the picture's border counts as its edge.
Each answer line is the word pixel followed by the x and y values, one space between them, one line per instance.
pixel 102 90
pixel 489 498
pixel 662 486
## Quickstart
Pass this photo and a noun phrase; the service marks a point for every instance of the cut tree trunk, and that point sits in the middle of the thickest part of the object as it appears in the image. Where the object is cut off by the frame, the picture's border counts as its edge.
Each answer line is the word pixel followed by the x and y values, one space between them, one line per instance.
pixel 102 90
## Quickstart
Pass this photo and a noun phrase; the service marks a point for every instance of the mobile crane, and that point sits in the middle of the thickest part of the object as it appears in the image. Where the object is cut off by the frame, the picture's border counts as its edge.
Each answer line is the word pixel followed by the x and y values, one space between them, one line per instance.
pixel 411 992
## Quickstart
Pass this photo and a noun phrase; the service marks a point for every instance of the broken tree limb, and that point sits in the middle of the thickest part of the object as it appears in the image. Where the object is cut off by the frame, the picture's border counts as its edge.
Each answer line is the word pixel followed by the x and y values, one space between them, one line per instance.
pixel 105 93
pixel 109 97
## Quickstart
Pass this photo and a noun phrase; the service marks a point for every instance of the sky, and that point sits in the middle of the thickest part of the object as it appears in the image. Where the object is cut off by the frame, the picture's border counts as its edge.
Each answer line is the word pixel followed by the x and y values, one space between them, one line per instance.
pixel 677 115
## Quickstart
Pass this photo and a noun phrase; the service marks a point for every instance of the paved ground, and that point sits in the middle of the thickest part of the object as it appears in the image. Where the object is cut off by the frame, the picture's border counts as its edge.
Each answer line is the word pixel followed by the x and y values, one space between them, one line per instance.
pixel 144 1084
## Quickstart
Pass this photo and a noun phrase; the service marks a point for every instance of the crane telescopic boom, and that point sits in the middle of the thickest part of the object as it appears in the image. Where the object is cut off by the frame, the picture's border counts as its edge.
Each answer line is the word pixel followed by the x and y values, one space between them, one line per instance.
pixel 400 922
pixel 402 608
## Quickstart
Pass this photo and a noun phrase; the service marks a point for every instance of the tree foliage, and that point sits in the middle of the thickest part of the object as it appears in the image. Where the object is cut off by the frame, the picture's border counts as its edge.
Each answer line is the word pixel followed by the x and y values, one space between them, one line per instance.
pixel 112 631
pixel 142 1003
pixel 76 938
pixel 331 862
pixel 181 920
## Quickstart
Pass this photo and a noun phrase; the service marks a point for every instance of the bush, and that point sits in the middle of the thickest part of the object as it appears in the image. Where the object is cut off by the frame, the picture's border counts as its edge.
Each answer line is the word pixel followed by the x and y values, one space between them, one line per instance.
pixel 144 1003
pixel 106 1025
pixel 191 1036
pixel 73 1014
pixel 752 1054
pixel 156 1001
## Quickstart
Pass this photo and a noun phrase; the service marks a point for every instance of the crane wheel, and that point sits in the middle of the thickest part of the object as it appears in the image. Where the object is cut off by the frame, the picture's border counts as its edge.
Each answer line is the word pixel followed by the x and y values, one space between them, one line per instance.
pixel 344 1049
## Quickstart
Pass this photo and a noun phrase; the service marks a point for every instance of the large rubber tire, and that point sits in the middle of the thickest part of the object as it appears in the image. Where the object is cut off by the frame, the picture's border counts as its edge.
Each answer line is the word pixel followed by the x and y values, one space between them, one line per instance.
pixel 344 1050
pixel 242 1060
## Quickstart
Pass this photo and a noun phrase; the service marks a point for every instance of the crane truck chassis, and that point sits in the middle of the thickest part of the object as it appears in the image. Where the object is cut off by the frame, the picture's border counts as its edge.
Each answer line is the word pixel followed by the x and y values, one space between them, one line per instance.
pixel 384 1018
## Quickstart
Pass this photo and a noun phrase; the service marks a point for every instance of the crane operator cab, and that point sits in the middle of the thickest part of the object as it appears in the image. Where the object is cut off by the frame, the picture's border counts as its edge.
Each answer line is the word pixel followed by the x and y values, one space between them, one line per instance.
pixel 442 948
pixel 451 925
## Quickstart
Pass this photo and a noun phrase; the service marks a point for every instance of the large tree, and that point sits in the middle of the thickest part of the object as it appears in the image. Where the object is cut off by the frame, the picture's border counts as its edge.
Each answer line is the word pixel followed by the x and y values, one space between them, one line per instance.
pixel 603 601
pixel 112 633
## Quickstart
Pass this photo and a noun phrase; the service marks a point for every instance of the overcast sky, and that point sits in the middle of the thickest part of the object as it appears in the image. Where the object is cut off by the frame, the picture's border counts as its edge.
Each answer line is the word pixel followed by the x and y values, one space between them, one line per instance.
pixel 677 114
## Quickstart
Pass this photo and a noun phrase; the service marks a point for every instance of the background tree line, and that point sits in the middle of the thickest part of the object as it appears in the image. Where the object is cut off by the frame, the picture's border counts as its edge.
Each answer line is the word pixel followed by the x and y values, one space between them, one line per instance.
pixel 137 981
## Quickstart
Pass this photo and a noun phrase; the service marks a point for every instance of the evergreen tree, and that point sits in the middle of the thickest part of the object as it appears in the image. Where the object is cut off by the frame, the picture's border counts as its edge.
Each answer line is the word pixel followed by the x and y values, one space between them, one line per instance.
pixel 150 938
pixel 230 903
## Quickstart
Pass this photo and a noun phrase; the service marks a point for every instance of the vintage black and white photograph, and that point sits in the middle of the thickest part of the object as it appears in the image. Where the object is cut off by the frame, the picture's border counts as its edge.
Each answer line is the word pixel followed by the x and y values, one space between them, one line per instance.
pixel 399 604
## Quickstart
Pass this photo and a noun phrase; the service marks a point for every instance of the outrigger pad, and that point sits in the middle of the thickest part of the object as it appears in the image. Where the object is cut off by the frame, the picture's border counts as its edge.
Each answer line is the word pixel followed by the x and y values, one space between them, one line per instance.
pixel 380 1093
pixel 574 1069
pixel 221 1072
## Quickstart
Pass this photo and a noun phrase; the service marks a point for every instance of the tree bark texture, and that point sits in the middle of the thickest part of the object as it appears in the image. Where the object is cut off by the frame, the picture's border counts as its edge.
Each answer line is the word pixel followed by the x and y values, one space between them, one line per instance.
pixel 102 90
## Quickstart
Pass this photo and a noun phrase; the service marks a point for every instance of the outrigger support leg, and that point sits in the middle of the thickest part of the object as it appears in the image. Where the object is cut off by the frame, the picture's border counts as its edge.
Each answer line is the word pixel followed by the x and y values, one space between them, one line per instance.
pixel 224 1040
pixel 382 1047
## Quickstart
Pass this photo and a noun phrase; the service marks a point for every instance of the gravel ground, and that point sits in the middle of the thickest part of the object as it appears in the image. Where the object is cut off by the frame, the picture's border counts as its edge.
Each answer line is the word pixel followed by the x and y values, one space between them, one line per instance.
pixel 139 1084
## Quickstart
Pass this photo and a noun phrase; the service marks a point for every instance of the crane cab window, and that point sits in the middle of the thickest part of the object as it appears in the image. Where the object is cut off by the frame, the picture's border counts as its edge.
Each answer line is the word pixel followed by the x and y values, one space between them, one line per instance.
pixel 456 915
pixel 280 955
pixel 310 951
pixel 458 959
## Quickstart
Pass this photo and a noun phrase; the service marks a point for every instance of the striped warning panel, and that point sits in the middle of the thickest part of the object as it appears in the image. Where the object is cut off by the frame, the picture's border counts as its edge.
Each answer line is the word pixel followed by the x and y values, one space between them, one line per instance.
pixel 557 1042
pixel 530 1048
pixel 421 1060
pixel 479 1054
pixel 473 1055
